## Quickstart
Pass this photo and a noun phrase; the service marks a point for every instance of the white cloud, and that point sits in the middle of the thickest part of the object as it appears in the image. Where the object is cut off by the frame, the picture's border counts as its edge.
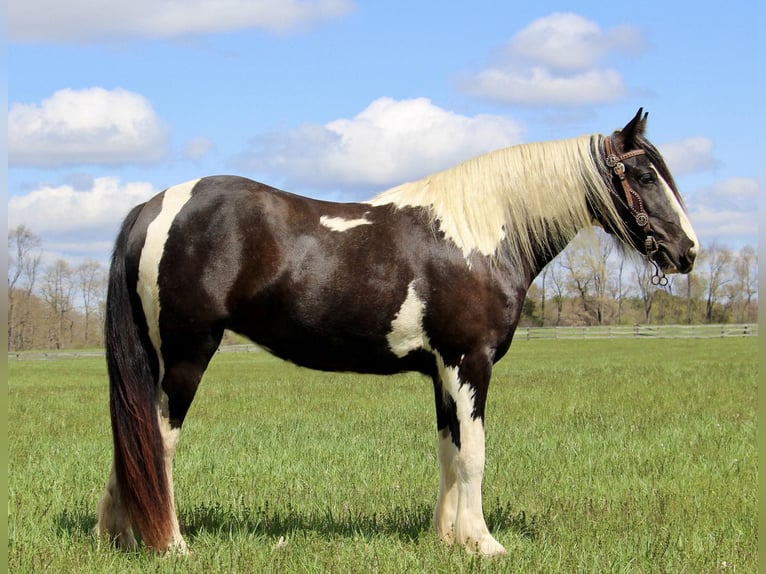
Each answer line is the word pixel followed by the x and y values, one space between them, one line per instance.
pixel 538 87
pixel 57 210
pixel 79 21
pixel 556 60
pixel 197 148
pixel 93 126
pixel 569 42
pixel 689 155
pixel 726 210
pixel 387 143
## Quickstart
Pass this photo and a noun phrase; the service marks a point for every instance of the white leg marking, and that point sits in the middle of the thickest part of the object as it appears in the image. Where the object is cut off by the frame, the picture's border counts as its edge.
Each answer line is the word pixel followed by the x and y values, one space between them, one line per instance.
pixel 340 224
pixel 467 466
pixel 151 255
pixel 170 438
pixel 113 520
pixel 407 333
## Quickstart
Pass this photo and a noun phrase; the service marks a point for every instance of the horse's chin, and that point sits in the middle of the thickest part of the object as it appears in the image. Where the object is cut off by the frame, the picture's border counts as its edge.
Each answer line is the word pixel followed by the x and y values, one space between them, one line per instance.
pixel 671 265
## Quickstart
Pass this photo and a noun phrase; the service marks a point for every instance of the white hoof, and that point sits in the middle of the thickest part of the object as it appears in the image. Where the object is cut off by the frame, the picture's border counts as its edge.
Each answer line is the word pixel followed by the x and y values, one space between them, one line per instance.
pixel 485 545
pixel 177 548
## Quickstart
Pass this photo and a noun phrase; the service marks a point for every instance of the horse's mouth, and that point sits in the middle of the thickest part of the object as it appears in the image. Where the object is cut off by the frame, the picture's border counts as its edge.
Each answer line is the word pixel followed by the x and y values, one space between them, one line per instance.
pixel 670 264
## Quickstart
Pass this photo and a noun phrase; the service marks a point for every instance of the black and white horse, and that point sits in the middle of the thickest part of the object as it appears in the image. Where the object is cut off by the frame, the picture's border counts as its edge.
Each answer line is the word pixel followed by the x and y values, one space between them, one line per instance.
pixel 429 276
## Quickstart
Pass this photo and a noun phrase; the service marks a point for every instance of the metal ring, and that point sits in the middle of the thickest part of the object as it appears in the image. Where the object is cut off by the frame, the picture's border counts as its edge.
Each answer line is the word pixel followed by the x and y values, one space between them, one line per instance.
pixel 659 280
pixel 642 219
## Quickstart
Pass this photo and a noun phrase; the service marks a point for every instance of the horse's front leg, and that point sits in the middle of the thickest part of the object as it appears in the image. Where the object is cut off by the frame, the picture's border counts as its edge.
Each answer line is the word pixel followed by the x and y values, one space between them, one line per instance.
pixel 460 395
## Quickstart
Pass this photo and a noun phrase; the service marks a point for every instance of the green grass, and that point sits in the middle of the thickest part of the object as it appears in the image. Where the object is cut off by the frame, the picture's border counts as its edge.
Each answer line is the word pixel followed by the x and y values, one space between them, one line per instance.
pixel 602 456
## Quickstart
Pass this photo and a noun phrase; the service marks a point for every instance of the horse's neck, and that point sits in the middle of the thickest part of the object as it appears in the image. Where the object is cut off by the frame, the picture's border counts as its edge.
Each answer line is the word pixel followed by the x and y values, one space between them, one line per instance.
pixel 523 272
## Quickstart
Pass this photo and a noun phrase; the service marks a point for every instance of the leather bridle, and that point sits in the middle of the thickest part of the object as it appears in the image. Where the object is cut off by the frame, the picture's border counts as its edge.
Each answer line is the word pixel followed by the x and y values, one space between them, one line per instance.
pixel 634 205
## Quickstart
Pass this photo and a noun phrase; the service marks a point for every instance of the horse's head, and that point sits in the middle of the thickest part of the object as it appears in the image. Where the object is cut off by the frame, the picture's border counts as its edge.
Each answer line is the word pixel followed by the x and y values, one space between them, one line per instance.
pixel 647 200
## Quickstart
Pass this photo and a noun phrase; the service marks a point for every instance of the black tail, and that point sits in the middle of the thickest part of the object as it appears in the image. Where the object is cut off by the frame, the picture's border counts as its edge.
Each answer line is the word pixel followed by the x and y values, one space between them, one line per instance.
pixel 132 364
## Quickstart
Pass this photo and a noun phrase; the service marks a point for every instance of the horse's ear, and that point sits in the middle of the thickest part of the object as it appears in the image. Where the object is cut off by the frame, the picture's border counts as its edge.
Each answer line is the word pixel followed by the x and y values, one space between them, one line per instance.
pixel 633 130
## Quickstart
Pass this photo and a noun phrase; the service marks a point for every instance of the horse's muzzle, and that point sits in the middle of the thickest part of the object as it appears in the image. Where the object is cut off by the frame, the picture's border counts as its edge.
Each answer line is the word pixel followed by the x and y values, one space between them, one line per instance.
pixel 674 258
pixel 682 262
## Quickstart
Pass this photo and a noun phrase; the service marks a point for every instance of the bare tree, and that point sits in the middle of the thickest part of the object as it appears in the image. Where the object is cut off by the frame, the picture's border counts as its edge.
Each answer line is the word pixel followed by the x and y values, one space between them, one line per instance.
pixel 716 268
pixel 598 262
pixel 57 291
pixel 23 264
pixel 618 291
pixel 646 291
pixel 557 285
pixel 90 276
pixel 744 285
pixel 543 276
pixel 580 278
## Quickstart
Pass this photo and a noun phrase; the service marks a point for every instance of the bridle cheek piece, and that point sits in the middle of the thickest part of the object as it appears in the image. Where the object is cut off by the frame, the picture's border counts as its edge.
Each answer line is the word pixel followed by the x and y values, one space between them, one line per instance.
pixel 632 199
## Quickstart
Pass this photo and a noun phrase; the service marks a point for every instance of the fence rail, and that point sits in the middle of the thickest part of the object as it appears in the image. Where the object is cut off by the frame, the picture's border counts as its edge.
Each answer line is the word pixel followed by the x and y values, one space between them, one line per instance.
pixel 638 332
pixel 522 334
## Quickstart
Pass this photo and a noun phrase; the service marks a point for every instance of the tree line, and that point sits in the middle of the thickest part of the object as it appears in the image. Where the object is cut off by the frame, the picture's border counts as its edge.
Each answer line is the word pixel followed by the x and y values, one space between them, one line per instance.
pixel 59 305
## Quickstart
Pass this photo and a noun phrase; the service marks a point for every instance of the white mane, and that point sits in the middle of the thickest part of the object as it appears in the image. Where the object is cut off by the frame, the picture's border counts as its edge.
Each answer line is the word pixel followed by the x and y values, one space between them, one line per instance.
pixel 532 195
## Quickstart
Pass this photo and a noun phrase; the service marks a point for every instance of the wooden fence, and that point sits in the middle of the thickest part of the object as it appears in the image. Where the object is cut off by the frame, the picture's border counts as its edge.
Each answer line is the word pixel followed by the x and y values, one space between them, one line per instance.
pixel 638 332
pixel 522 334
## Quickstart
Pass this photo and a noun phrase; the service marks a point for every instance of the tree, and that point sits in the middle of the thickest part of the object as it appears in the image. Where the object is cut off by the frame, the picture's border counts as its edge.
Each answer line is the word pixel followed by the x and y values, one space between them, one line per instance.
pixel 91 283
pixel 557 284
pixel 579 278
pixel 716 268
pixel 597 261
pixel 744 286
pixel 618 291
pixel 643 279
pixel 24 258
pixel 543 276
pixel 57 290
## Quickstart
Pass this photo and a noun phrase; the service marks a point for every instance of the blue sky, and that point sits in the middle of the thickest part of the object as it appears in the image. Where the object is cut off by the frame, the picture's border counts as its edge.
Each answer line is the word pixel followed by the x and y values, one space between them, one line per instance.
pixel 110 102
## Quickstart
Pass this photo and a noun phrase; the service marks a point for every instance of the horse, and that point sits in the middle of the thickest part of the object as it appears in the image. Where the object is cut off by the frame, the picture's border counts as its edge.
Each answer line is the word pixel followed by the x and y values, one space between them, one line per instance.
pixel 429 276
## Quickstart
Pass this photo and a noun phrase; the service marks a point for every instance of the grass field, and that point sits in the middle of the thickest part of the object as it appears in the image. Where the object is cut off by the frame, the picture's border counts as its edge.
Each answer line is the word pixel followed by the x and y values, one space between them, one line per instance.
pixel 602 456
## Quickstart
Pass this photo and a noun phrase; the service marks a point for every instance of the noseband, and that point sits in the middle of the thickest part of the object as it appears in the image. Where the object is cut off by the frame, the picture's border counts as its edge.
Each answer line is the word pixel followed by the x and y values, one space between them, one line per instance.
pixel 634 205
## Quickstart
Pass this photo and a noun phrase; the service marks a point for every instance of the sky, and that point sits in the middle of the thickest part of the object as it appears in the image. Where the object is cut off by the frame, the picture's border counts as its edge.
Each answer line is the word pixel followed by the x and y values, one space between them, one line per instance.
pixel 111 102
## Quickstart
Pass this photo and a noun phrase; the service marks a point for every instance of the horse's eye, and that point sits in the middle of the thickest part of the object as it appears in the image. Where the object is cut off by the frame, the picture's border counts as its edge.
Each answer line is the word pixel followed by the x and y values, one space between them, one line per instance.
pixel 646 178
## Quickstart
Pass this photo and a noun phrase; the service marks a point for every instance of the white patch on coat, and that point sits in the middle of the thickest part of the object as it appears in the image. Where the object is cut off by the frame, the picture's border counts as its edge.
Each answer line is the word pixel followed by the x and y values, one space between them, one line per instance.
pixel 683 218
pixel 173 200
pixel 341 224
pixel 407 332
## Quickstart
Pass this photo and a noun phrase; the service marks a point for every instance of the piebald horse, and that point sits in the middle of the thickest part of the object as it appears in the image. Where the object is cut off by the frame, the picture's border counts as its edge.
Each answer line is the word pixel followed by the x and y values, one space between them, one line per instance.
pixel 428 276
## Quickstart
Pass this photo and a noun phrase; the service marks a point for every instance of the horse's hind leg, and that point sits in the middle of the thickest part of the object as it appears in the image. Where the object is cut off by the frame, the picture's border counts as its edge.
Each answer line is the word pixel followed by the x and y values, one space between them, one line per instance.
pixel 183 371
pixel 184 367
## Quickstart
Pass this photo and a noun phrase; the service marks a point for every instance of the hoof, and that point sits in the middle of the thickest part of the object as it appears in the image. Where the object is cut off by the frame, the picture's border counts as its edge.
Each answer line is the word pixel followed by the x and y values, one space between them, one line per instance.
pixel 124 540
pixel 177 548
pixel 486 545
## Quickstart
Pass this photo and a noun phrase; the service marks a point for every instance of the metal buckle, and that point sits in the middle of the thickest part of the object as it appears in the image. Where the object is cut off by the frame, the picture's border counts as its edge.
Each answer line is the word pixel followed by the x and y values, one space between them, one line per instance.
pixel 650 245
